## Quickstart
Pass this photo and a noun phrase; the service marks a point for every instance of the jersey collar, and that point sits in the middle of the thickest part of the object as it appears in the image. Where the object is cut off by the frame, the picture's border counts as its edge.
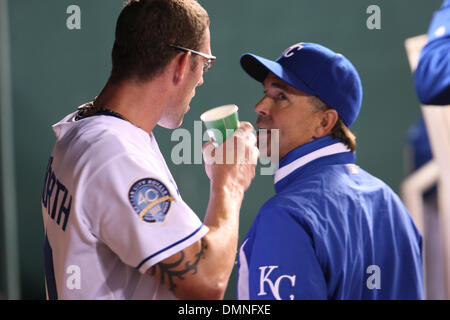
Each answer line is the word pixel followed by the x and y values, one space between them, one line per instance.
pixel 305 154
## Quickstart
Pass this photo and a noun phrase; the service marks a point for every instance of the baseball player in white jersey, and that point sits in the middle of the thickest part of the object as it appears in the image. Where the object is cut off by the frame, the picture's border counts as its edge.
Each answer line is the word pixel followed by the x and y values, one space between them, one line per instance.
pixel 115 224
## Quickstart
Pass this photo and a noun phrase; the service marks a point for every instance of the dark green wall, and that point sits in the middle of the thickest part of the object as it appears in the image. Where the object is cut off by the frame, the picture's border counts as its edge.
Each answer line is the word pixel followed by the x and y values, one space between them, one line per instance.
pixel 54 70
pixel 3 286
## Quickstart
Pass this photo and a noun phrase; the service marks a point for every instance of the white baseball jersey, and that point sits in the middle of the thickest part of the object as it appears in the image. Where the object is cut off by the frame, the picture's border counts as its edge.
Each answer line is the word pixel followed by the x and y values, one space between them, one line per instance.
pixel 111 210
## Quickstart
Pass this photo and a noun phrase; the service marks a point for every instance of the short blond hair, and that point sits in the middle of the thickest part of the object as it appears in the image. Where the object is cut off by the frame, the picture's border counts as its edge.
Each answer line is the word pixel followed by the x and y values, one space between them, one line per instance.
pixel 145 30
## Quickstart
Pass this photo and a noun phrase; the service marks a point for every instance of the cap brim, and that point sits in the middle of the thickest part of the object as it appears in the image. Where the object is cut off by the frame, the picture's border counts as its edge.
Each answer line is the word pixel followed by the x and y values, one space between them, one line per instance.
pixel 258 68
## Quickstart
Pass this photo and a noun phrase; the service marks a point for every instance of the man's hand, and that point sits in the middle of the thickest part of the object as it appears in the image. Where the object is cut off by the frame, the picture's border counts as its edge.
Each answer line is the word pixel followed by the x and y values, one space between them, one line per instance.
pixel 233 163
pixel 202 270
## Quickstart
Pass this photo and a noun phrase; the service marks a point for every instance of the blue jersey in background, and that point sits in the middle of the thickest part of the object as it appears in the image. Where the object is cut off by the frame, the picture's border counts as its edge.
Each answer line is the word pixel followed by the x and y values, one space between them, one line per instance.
pixel 432 76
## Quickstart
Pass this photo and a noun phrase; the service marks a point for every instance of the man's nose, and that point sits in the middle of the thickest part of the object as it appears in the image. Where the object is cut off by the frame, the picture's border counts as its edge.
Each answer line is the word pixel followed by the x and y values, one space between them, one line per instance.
pixel 262 107
pixel 200 82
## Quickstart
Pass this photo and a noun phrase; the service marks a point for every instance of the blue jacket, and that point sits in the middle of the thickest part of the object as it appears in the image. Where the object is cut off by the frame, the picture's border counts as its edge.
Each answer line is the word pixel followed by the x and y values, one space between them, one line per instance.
pixel 332 231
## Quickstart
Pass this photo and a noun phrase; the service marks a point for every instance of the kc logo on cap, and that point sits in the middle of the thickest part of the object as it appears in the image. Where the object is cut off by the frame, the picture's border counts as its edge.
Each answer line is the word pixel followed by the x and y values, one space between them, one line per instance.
pixel 289 51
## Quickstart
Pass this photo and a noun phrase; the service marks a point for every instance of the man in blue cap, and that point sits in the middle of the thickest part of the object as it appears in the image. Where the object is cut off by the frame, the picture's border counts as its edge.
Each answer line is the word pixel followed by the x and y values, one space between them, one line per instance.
pixel 432 76
pixel 332 230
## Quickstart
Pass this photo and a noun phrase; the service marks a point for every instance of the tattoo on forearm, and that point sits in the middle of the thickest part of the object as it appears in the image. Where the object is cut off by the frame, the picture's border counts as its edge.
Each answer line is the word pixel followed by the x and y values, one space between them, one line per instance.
pixel 167 269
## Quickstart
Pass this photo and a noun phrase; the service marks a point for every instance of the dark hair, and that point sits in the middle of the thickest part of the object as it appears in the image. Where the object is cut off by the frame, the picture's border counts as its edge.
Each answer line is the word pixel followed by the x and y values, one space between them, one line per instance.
pixel 146 28
pixel 340 131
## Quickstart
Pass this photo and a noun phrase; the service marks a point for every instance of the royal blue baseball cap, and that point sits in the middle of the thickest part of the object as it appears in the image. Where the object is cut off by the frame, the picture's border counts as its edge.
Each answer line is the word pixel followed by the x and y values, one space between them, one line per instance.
pixel 315 70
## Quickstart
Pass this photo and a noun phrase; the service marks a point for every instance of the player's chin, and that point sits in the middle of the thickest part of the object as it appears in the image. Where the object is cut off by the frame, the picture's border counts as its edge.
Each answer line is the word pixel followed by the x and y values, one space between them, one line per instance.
pixel 178 123
pixel 171 124
pixel 174 125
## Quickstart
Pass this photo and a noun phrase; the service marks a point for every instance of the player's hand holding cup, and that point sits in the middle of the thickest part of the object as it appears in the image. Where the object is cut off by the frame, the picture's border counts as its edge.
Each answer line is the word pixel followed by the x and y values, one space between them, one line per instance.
pixel 232 155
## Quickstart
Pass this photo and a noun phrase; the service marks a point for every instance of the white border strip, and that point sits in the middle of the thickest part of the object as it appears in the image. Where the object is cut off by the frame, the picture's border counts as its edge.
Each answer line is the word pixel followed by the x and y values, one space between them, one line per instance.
pixel 283 172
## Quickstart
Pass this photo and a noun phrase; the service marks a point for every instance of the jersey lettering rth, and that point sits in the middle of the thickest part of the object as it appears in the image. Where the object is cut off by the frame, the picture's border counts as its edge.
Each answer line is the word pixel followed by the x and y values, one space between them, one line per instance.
pixel 59 201
pixel 111 211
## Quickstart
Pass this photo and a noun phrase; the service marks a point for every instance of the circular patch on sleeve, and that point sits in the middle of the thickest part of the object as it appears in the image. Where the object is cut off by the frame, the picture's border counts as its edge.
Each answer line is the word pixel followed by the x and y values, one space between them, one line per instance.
pixel 150 199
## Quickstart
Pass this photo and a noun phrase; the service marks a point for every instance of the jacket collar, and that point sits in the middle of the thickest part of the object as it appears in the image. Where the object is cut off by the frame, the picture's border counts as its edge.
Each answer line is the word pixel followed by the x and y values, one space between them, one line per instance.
pixel 309 152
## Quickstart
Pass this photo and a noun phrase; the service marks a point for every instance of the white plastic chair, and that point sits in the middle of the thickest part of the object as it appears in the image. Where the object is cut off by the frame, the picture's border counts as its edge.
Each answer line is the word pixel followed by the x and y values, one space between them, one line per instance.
pixel 437 121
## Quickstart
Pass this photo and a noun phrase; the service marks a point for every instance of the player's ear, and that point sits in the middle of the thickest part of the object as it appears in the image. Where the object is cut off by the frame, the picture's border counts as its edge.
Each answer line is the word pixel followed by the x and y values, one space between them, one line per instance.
pixel 327 120
pixel 181 62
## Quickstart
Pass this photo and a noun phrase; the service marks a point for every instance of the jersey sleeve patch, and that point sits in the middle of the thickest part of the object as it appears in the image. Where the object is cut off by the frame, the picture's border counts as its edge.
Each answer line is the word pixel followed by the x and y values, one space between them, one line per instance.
pixel 150 199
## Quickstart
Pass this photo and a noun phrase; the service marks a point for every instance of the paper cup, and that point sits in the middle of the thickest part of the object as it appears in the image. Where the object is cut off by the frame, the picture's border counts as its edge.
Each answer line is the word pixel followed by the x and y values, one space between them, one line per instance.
pixel 221 122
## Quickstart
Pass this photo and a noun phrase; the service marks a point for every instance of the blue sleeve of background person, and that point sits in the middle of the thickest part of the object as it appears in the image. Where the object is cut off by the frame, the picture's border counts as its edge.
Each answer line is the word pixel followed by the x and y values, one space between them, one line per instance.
pixel 283 264
pixel 432 76
pixel 419 144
